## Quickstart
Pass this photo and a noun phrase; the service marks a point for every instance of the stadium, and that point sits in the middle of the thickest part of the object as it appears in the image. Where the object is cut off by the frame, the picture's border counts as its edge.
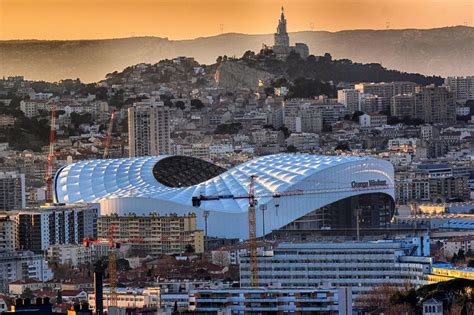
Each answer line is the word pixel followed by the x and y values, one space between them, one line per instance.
pixel 293 191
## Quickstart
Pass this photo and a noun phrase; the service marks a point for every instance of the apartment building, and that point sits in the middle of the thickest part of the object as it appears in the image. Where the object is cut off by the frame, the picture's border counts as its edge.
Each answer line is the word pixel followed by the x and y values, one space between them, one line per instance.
pixel 12 191
pixel 149 129
pixel 8 234
pixel 42 227
pixel 155 234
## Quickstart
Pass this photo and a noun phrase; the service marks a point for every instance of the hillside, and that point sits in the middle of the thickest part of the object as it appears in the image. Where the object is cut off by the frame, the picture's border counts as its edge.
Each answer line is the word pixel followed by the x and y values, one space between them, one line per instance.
pixel 443 51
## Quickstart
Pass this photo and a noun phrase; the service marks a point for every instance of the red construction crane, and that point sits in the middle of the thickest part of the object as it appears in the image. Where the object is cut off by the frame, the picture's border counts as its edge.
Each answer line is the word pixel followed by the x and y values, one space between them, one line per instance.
pixel 108 137
pixel 48 176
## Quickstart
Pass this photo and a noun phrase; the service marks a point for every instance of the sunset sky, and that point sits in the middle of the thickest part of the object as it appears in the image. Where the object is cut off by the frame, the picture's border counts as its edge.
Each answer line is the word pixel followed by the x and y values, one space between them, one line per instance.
pixel 185 19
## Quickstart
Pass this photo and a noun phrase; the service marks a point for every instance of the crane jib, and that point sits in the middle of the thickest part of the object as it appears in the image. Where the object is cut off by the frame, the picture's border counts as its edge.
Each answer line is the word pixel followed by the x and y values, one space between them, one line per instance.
pixel 197 200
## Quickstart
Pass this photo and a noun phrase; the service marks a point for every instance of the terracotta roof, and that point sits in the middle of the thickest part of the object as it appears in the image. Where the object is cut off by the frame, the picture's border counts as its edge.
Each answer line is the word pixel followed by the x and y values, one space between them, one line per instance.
pixel 71 293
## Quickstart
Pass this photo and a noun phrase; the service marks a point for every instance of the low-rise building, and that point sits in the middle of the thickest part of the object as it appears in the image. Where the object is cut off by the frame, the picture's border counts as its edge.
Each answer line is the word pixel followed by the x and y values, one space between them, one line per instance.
pixel 130 297
pixel 19 286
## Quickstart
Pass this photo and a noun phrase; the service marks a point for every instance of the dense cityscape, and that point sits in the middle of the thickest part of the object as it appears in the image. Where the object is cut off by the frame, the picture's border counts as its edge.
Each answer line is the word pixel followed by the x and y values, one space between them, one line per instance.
pixel 277 182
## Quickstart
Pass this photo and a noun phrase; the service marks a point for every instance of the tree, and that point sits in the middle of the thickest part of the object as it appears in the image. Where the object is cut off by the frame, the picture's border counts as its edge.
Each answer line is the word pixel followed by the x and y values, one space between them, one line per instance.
pixel 343 146
pixel 220 258
pixel 356 115
pixel 123 264
pixel 232 128
pixel 180 105
pixel 285 131
pixel 189 249
pixel 27 294
pixel 197 104
pixel 59 297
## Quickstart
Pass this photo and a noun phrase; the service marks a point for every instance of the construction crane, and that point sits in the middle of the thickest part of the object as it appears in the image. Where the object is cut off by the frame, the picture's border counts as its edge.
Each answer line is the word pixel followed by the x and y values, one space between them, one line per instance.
pixel 112 264
pixel 48 175
pixel 108 137
pixel 253 234
pixel 252 202
pixel 112 267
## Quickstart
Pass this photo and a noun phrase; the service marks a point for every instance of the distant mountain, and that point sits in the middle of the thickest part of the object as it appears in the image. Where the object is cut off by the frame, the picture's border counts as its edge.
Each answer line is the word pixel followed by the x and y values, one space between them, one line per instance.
pixel 443 51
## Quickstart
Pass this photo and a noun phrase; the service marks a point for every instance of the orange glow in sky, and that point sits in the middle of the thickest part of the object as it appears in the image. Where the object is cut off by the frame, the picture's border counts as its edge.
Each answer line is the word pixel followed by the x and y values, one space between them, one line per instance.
pixel 185 19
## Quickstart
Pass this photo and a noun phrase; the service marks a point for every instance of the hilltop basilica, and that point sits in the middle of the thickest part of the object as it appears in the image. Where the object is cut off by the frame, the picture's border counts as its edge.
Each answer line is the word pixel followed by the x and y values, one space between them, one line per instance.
pixel 282 47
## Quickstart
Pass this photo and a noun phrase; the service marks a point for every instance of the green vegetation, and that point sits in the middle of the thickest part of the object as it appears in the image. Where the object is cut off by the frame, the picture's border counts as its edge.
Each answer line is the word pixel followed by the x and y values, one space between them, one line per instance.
pixel 197 104
pixel 319 75
pixel 232 128
pixel 457 296
pixel 27 134
pixel 78 119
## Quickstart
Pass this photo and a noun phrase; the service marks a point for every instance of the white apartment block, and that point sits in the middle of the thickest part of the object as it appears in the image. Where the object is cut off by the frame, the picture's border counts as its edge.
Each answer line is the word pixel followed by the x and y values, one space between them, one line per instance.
pixel 8 241
pixel 22 265
pixel 149 129
pixel 366 121
pixel 360 266
pixel 75 255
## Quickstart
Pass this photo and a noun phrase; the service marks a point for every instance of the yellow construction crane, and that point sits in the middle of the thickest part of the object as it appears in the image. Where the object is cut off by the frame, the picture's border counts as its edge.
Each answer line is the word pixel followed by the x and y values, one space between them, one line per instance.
pixel 252 234
pixel 252 199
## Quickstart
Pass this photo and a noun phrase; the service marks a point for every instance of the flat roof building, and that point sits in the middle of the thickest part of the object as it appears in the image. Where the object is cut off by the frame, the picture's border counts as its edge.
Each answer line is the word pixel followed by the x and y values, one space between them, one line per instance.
pixel 361 266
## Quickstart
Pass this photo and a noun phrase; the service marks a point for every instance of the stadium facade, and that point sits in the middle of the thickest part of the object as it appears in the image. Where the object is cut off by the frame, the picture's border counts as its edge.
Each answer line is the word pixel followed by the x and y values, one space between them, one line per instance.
pixel 293 191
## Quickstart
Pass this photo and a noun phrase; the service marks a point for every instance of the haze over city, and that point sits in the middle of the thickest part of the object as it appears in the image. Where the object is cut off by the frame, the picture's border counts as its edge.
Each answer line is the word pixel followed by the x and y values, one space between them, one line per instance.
pixel 180 19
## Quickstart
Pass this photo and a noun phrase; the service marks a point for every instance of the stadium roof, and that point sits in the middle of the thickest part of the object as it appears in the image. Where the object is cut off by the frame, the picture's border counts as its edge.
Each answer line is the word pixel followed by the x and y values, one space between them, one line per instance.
pixel 170 182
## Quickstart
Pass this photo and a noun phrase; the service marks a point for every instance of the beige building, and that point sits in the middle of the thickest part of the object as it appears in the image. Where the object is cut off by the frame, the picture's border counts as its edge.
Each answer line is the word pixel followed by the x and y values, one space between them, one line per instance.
pixel 435 105
pixel 6 120
pixel 403 106
pixel 129 297
pixel 154 234
pixel 149 129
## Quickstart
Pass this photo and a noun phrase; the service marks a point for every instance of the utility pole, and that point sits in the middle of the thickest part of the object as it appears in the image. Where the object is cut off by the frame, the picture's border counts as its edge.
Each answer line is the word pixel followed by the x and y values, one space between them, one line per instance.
pixel 263 208
pixel 205 215
pixel 358 211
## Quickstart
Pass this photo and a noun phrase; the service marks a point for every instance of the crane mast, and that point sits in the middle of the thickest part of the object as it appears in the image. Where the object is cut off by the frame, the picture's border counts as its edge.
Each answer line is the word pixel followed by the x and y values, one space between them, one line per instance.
pixel 112 266
pixel 48 176
pixel 253 234
pixel 108 138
